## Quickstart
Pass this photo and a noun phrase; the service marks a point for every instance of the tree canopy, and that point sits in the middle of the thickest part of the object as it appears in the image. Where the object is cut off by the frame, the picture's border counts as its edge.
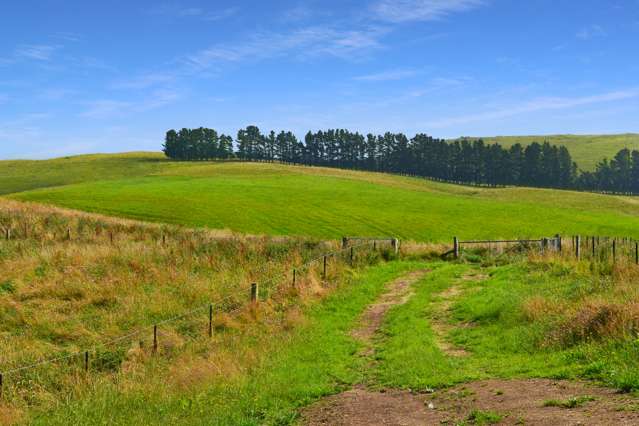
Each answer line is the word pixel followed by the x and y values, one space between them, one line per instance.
pixel 461 161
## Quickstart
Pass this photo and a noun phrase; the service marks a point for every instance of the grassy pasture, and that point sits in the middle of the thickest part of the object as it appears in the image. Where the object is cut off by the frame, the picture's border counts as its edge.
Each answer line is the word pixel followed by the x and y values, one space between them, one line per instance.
pixel 62 293
pixel 273 199
pixel 517 316
pixel 586 150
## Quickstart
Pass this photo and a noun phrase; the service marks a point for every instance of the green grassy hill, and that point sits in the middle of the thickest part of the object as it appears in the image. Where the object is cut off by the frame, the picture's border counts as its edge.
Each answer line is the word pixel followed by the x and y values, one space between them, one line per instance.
pixel 261 198
pixel 586 150
pixel 22 175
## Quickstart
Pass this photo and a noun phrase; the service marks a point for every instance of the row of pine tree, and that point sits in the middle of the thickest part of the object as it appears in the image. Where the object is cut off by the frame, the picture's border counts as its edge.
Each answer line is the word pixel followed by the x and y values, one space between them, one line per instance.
pixel 461 161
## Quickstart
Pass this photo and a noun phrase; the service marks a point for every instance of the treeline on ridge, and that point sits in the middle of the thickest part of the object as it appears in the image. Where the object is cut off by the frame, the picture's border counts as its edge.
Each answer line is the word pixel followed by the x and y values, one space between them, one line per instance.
pixel 461 161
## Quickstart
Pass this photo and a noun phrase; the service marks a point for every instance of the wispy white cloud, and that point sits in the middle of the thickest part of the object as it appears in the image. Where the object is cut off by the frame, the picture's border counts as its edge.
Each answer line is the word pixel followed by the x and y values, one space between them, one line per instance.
pixel 397 11
pixel 535 105
pixel 105 108
pixel 176 10
pixel 37 52
pixel 67 36
pixel 56 94
pixel 302 12
pixel 593 31
pixel 22 128
pixel 109 108
pixel 398 74
pixel 145 81
pixel 305 42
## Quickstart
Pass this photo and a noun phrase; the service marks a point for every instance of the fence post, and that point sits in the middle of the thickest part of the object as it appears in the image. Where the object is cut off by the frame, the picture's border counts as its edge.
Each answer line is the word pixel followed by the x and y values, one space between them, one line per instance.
pixel 324 272
pixel 86 361
pixel 614 250
pixel 352 256
pixel 375 245
pixel 68 234
pixel 344 242
pixel 255 292
pixel 395 244
pixel 7 234
pixel 1 385
pixel 558 242
pixel 111 236
pixel 578 247
pixel 593 247
pixel 636 253
pixel 456 247
pixel 294 276
pixel 155 339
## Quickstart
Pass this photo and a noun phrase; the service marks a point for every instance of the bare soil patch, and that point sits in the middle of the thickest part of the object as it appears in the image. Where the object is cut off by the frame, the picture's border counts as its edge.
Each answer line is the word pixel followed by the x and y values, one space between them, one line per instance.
pixel 359 407
pixel 523 402
pixel 514 402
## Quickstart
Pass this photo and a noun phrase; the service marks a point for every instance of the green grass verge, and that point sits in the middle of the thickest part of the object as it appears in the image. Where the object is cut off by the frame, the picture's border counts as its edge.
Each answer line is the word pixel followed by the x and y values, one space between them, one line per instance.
pixel 274 199
pixel 291 371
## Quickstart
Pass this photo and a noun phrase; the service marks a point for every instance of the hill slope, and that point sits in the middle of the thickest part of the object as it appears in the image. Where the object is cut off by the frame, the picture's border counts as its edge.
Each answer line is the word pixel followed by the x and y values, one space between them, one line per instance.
pixel 586 150
pixel 261 198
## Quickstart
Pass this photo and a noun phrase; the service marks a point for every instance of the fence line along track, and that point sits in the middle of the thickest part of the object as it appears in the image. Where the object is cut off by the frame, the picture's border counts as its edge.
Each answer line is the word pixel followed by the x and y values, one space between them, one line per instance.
pixel 253 287
pixel 594 248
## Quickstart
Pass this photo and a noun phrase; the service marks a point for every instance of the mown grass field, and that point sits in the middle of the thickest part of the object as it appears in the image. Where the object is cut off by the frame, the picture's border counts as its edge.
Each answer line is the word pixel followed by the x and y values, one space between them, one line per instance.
pixel 586 150
pixel 273 199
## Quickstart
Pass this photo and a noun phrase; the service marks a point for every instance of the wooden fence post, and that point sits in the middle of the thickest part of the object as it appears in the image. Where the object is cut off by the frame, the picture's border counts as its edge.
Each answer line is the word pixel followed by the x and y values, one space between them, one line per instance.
pixel 395 244
pixel 211 320
pixel 636 253
pixel 374 245
pixel 614 250
pixel 594 243
pixel 344 242
pixel 324 272
pixel 456 247
pixel 294 276
pixel 1 385
pixel 86 361
pixel 352 254
pixel 68 234
pixel 558 242
pixel 7 233
pixel 578 247
pixel 255 292
pixel 155 339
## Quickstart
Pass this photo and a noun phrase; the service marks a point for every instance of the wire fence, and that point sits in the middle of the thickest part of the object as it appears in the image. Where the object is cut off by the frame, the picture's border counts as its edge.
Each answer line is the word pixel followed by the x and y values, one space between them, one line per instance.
pixel 592 248
pixel 108 355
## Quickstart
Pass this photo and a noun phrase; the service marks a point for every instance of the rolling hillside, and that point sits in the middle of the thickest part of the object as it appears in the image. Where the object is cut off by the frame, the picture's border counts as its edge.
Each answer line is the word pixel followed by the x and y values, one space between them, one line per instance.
pixel 263 198
pixel 586 150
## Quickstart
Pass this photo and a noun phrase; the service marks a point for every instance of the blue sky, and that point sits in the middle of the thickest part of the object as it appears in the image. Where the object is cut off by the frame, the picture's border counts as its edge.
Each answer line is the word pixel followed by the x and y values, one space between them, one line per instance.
pixel 80 76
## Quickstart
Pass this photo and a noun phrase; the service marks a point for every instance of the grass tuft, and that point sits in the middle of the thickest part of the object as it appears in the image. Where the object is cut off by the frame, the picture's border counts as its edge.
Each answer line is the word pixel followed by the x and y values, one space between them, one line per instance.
pixel 574 402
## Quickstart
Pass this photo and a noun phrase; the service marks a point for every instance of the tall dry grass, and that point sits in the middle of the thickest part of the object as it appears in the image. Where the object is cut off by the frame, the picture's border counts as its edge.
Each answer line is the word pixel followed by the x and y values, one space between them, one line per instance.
pixel 71 282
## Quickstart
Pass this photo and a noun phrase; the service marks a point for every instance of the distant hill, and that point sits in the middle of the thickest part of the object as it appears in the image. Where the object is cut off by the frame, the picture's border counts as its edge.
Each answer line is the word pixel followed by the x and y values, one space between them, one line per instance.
pixel 586 150
pixel 276 199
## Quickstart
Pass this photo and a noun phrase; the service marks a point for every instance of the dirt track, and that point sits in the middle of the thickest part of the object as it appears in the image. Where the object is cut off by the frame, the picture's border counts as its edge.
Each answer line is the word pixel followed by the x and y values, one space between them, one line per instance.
pixel 510 402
